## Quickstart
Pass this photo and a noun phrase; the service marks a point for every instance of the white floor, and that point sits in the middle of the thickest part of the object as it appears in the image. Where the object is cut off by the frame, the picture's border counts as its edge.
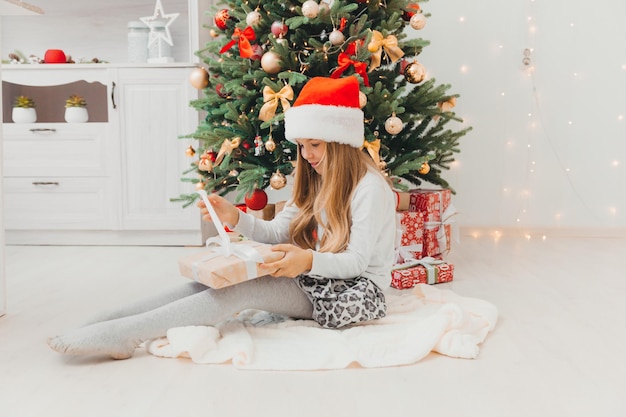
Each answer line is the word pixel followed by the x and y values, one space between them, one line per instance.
pixel 559 348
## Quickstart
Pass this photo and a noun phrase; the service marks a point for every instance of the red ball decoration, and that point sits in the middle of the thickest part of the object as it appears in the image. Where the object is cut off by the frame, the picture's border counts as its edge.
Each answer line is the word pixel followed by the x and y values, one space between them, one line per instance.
pixel 54 56
pixel 279 29
pixel 411 9
pixel 211 155
pixel 257 52
pixel 221 18
pixel 256 201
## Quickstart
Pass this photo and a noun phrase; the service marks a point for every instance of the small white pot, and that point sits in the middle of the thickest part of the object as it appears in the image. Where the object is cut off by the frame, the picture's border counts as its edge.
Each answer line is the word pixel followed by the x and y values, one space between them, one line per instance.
pixel 76 114
pixel 24 115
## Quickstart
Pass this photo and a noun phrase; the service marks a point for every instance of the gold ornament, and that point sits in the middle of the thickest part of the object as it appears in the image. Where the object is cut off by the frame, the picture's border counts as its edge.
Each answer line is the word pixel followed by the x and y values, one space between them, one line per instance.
pixel 205 164
pixel 447 105
pixel 393 125
pixel 270 62
pixel 200 185
pixel 270 145
pixel 380 43
pixel 253 18
pixel 415 72
pixel 336 37
pixel 425 169
pixel 418 21
pixel 199 78
pixel 310 9
pixel 272 99
pixel 190 151
pixel 278 180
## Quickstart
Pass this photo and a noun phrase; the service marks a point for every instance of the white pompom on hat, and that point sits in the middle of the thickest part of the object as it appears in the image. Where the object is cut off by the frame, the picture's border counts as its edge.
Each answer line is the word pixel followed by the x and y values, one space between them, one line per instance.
pixel 327 109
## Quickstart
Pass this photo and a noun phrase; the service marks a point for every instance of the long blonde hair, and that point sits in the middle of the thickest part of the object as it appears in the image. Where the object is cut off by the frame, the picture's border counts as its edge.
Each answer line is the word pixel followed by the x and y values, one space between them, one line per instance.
pixel 343 167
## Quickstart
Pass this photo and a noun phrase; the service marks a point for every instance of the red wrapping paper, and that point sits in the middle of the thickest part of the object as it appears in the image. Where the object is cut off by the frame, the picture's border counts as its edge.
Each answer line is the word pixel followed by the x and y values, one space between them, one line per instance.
pixel 436 208
pixel 419 274
pixel 411 230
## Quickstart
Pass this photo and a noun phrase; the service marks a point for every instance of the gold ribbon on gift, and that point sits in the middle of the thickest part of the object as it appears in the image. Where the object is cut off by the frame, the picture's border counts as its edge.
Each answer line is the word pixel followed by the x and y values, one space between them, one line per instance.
pixel 380 43
pixel 222 246
pixel 373 148
pixel 271 100
pixel 243 37
pixel 227 147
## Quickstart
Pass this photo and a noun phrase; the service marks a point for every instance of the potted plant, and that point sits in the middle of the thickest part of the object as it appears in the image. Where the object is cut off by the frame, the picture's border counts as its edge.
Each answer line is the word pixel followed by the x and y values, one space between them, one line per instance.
pixel 24 110
pixel 76 109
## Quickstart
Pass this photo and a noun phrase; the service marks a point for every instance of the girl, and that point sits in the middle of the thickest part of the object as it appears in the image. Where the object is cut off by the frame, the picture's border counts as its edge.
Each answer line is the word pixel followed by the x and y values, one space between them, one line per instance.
pixel 337 232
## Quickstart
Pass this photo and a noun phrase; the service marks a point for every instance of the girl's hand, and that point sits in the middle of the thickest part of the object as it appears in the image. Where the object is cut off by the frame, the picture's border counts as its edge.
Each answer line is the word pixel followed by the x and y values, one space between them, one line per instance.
pixel 224 209
pixel 295 262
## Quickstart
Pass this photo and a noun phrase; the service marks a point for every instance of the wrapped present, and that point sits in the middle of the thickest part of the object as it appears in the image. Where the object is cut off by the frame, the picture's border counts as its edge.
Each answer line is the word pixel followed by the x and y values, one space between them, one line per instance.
pixel 216 269
pixel 438 212
pixel 409 235
pixel 225 262
pixel 423 271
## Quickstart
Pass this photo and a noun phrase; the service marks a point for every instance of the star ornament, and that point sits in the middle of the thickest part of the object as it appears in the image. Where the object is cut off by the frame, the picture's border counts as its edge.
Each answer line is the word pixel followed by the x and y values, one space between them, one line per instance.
pixel 161 16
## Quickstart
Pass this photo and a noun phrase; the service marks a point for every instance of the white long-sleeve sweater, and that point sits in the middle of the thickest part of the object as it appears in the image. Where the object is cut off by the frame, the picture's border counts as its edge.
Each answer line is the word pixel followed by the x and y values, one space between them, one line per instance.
pixel 370 251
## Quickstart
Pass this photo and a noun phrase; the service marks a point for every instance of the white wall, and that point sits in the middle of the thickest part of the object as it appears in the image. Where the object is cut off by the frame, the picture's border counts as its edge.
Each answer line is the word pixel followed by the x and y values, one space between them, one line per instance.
pixel 548 147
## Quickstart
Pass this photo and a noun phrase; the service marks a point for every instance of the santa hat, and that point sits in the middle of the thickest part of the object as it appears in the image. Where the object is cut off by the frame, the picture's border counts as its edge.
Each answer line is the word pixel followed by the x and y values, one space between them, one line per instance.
pixel 327 109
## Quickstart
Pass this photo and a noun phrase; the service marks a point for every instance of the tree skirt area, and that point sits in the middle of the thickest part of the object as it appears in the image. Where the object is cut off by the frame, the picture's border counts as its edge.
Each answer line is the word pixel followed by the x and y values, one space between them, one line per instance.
pixel 419 321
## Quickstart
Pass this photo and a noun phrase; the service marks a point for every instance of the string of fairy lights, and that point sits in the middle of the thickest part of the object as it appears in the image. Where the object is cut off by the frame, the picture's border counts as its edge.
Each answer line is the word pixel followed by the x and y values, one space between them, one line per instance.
pixel 550 141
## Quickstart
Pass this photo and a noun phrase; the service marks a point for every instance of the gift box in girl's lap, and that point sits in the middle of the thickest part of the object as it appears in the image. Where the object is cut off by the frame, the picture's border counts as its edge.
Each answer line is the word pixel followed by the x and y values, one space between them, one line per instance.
pixel 214 269
pixel 427 271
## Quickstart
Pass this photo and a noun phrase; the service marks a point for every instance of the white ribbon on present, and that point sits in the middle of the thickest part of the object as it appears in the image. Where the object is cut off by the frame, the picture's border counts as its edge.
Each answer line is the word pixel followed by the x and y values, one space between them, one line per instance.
pixel 222 246
pixel 446 218
pixel 427 262
pixel 406 252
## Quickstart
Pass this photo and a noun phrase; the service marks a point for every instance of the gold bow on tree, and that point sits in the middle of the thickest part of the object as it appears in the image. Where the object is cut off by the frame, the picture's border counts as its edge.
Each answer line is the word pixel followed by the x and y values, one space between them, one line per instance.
pixel 272 99
pixel 389 44
pixel 373 148
pixel 227 147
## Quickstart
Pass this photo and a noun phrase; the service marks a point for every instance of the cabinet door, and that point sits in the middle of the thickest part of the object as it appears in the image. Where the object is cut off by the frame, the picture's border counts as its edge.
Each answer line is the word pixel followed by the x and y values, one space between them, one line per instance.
pixel 154 112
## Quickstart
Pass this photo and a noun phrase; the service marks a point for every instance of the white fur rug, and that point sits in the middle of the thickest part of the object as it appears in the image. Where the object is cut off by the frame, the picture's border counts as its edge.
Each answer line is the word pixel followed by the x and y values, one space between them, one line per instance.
pixel 419 321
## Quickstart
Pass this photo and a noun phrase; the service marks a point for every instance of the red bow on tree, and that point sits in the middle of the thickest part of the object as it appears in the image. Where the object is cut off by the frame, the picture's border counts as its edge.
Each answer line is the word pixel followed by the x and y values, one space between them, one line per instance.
pixel 244 37
pixel 345 61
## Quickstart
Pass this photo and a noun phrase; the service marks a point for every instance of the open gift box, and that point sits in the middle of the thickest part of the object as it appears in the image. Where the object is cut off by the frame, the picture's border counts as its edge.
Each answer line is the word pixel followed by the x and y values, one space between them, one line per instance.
pixel 223 262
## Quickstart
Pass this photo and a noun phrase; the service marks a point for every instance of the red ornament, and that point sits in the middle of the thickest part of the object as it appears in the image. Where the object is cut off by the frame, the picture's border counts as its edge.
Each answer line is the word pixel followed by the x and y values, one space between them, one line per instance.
pixel 257 52
pixel 246 145
pixel 411 9
pixel 256 201
pixel 221 18
pixel 279 29
pixel 211 155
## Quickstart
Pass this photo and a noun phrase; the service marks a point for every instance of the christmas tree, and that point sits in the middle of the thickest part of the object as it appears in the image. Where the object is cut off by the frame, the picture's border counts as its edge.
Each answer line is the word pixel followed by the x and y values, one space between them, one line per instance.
pixel 263 52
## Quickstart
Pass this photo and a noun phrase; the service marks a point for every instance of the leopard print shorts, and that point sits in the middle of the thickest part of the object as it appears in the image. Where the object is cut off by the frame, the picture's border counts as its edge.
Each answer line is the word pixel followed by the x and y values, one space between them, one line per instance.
pixel 341 302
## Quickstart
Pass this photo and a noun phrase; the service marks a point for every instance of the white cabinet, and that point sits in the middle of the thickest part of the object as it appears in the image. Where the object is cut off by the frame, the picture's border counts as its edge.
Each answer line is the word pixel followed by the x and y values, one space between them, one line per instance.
pixel 153 113
pixel 107 181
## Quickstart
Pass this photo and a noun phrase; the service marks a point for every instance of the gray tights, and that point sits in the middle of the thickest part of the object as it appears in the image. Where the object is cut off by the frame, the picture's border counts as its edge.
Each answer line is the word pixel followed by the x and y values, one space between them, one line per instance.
pixel 117 333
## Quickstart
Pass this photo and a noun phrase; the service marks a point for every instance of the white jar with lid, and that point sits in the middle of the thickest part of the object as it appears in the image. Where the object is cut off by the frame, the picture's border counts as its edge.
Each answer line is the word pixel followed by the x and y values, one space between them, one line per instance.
pixel 138 34
pixel 159 51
